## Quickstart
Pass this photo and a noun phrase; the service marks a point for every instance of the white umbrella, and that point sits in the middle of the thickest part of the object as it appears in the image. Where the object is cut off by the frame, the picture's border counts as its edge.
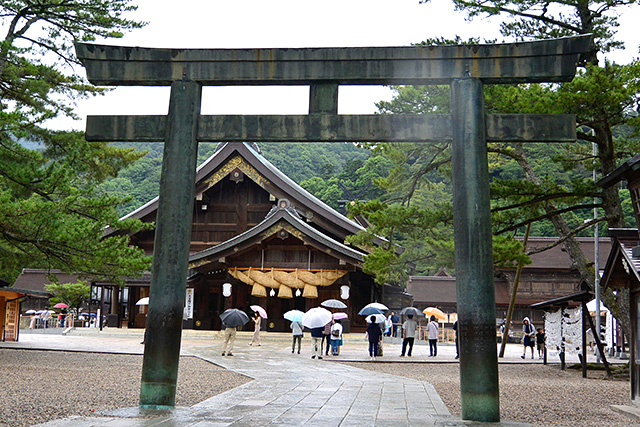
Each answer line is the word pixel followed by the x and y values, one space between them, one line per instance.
pixel 377 305
pixel 591 306
pixel 379 318
pixel 333 303
pixel 143 301
pixel 316 318
pixel 30 312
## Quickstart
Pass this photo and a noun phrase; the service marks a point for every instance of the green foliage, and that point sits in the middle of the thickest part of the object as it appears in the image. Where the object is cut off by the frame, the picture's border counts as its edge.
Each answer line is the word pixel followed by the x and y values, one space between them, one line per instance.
pixel 317 167
pixel 75 295
pixel 549 186
pixel 50 214
pixel 300 161
pixel 358 181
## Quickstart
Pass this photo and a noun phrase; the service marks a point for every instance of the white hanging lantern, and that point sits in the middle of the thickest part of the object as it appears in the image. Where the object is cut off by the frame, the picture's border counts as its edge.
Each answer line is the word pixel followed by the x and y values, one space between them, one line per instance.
pixel 226 290
pixel 344 292
pixel 298 293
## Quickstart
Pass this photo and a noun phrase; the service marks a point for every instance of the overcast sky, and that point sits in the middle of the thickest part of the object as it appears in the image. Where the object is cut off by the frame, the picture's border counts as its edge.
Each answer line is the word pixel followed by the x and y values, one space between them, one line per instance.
pixel 291 23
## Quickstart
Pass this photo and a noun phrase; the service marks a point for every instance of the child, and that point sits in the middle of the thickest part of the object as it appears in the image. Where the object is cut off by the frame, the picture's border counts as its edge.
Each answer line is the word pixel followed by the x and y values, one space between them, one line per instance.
pixel 540 343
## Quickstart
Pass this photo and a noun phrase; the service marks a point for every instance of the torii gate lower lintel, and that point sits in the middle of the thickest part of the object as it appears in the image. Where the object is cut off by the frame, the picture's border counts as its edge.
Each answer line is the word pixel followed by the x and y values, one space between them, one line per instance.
pixel 466 68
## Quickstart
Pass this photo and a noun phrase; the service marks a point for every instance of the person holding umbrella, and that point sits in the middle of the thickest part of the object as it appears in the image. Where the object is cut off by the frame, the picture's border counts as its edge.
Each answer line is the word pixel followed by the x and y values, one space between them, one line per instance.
pixel 257 319
pixel 432 329
pixel 229 339
pixel 296 328
pixel 231 319
pixel 408 333
pixel 374 334
pixel 316 339
pixel 315 319
pixel 336 337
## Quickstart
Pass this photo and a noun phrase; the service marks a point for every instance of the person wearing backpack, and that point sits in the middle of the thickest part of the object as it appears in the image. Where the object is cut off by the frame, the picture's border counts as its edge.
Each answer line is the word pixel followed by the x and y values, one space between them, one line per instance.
pixel 336 337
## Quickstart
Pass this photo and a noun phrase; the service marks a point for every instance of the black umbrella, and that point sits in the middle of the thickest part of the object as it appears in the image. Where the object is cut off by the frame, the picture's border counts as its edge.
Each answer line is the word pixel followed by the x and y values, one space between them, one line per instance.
pixel 234 317
pixel 411 310
pixel 370 310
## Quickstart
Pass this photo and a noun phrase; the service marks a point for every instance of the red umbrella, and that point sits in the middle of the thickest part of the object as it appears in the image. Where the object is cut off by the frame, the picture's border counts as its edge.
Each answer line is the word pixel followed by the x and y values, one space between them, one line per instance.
pixel 61 305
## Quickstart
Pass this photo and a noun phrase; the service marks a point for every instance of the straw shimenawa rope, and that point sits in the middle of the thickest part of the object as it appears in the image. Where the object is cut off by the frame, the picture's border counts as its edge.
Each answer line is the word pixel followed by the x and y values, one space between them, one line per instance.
pixel 285 279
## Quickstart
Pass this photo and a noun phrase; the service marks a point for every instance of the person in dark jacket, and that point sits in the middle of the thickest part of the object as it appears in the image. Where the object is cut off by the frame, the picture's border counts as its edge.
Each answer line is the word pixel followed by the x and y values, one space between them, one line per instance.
pixel 394 324
pixel 374 334
pixel 316 340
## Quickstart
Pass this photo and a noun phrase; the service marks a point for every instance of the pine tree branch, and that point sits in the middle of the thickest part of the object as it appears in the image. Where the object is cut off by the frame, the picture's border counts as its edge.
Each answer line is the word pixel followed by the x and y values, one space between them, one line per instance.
pixel 547 215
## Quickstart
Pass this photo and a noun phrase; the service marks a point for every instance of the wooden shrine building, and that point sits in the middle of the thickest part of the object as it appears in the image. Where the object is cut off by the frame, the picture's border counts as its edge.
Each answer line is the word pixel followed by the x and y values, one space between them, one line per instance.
pixel 257 237
pixel 622 270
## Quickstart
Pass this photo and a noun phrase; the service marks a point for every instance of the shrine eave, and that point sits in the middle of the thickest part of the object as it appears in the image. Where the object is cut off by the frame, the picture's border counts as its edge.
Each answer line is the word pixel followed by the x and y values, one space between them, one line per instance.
pixel 256 234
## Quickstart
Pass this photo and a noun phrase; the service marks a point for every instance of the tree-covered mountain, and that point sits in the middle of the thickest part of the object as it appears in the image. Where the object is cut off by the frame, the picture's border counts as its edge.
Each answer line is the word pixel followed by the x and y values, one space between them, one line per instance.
pixel 300 161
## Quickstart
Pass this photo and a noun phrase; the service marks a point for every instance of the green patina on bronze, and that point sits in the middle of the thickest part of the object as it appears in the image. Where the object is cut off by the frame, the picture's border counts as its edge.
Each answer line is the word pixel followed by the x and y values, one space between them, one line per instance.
pixel 465 68
pixel 474 254
pixel 173 230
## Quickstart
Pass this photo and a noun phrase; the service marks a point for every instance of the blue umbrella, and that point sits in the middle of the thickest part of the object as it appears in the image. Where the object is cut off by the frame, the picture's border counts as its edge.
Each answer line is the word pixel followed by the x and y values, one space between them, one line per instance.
pixel 370 310
pixel 294 315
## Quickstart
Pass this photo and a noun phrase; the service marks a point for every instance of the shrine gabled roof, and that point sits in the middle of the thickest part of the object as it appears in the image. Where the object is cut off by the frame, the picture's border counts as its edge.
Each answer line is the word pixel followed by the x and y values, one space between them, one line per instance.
pixel 276 181
pixel 278 219
pixel 621 256
pixel 8 290
pixel 624 171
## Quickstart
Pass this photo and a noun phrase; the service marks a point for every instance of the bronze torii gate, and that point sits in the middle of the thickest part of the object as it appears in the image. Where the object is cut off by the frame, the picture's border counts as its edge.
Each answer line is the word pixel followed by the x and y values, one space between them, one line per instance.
pixel 465 68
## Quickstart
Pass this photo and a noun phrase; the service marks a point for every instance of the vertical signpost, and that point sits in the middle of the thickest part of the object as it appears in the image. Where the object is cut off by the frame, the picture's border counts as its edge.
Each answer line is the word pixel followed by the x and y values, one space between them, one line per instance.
pixel 468 128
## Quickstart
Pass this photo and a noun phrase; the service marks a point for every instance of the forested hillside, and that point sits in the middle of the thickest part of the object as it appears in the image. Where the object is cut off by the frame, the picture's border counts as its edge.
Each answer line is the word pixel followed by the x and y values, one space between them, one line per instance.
pixel 140 182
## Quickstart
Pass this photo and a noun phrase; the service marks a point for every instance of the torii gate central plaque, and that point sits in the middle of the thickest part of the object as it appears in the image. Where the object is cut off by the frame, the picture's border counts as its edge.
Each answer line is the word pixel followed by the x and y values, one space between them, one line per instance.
pixel 465 68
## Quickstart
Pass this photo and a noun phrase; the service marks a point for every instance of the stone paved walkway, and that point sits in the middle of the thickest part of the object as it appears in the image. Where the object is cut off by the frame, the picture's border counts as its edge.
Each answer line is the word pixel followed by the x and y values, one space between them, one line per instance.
pixel 288 389
pixel 301 391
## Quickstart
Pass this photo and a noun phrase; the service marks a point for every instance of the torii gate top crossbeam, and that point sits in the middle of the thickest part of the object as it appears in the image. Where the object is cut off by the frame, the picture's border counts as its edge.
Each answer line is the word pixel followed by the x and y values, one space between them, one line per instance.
pixel 525 62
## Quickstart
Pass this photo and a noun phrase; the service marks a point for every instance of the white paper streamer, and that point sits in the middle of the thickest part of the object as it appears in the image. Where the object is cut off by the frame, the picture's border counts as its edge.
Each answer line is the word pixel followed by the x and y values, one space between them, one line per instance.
pixel 568 327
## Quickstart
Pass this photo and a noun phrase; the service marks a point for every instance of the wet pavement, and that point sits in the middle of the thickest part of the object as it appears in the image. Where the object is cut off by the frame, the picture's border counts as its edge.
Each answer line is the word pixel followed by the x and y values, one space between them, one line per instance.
pixel 287 389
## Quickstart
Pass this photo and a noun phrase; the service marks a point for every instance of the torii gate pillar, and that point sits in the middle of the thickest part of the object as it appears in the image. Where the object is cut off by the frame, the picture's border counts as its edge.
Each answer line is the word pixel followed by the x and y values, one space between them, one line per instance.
pixel 474 254
pixel 172 238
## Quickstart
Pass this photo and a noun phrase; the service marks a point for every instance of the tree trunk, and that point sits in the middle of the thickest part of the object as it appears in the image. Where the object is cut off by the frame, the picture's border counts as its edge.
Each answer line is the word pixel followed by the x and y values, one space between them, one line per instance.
pixel 617 303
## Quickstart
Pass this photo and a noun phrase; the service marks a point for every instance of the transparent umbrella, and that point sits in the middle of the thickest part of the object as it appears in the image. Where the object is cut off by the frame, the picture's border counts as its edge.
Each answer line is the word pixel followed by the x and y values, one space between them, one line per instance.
pixel 411 310
pixel 333 303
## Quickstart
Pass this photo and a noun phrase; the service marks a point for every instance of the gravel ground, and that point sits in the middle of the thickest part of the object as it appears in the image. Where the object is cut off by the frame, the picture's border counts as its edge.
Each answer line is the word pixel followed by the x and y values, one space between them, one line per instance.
pixel 540 395
pixel 81 383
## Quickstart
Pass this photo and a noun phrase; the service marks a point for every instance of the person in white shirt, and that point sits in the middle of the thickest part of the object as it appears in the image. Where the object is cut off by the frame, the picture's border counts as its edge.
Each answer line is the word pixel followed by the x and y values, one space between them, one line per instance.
pixel 408 333
pixel 296 328
pixel 336 337
pixel 432 329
